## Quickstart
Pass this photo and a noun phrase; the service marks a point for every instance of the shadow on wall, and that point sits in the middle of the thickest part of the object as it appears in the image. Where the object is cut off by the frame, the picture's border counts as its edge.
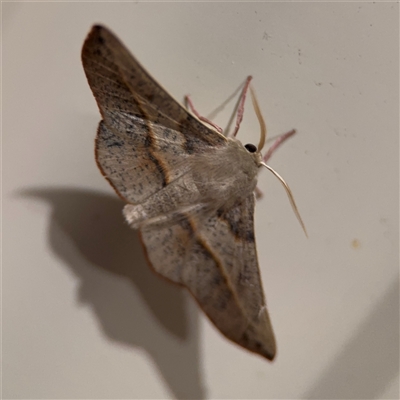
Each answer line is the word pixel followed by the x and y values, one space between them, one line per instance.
pixel 369 362
pixel 93 223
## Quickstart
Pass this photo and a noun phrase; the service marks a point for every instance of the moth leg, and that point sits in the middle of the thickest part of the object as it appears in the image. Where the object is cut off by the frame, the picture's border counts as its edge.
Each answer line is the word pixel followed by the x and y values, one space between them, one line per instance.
pixel 240 110
pixel 189 102
pixel 282 138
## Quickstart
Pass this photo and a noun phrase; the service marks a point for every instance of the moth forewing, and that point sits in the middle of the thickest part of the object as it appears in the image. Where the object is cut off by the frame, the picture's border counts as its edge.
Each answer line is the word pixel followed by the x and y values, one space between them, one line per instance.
pixel 189 190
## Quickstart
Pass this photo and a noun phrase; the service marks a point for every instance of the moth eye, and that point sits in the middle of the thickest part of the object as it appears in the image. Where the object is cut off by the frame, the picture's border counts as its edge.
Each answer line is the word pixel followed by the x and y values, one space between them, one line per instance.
pixel 250 148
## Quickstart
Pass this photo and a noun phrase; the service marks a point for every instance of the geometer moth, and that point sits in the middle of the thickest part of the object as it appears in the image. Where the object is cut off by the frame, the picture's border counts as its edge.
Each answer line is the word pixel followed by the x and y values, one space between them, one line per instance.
pixel 189 190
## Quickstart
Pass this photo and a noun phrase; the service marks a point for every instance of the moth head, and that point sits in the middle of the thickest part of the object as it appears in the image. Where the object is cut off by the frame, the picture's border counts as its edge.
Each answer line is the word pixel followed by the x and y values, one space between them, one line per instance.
pixel 253 151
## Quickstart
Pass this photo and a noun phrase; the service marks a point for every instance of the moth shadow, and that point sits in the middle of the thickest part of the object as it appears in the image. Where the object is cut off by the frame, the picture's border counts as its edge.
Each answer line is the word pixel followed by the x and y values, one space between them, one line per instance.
pixel 369 361
pixel 88 233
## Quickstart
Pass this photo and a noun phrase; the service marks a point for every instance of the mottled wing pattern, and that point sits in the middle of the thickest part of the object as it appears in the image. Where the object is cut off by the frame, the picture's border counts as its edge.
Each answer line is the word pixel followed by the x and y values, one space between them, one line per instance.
pixel 145 135
pixel 223 276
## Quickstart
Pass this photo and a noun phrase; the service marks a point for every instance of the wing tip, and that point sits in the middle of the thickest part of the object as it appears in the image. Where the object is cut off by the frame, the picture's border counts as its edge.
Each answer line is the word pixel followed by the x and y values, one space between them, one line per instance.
pixel 264 346
pixel 269 353
pixel 97 30
pixel 97 34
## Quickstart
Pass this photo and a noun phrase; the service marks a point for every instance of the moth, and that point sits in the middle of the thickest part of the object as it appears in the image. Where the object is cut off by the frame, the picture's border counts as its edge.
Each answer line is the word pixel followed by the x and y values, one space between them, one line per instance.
pixel 189 189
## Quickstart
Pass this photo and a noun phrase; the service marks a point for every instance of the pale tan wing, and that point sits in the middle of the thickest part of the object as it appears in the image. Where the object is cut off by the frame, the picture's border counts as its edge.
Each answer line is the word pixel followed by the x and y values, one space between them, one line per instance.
pixel 215 257
pixel 145 133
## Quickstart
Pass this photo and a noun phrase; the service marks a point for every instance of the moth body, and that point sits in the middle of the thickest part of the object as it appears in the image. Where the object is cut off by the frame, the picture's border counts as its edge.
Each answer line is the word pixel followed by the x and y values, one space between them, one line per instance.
pixel 210 184
pixel 226 173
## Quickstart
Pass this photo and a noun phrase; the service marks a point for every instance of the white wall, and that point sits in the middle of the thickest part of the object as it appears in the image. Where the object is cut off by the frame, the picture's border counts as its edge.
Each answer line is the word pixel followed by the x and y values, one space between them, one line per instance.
pixel 83 316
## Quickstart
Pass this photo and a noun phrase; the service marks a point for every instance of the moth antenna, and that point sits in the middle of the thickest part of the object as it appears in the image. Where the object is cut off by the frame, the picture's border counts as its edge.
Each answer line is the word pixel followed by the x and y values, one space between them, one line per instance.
pixel 240 106
pixel 290 195
pixel 263 127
